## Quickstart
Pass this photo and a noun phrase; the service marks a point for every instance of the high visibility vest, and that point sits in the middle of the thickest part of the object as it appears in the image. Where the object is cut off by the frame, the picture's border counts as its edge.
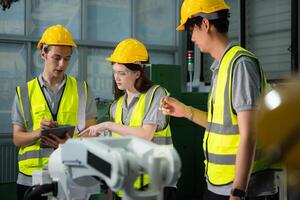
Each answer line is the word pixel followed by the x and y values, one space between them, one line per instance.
pixel 35 108
pixel 162 137
pixel 222 138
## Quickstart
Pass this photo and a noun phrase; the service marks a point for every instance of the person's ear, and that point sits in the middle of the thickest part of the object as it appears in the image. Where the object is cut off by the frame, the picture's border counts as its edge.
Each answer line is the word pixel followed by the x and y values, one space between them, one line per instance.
pixel 138 74
pixel 206 24
pixel 43 54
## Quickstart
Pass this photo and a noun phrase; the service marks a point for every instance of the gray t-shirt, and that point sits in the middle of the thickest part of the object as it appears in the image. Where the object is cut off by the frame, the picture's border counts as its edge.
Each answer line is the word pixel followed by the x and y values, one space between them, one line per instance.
pixel 153 116
pixel 245 82
pixel 245 93
pixel 53 99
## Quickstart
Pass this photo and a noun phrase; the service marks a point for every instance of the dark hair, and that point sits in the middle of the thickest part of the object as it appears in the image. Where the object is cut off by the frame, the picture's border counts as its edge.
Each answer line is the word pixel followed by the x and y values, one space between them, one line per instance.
pixel 46 48
pixel 221 24
pixel 142 84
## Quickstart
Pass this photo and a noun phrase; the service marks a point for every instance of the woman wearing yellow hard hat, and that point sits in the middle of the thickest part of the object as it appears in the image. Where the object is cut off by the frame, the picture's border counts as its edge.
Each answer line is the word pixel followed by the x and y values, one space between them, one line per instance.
pixel 136 108
pixel 233 170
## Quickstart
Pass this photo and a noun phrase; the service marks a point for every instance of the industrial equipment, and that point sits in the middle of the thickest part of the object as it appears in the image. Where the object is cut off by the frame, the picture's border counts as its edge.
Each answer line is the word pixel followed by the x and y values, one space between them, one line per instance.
pixel 190 67
pixel 278 124
pixel 75 169
pixel 278 129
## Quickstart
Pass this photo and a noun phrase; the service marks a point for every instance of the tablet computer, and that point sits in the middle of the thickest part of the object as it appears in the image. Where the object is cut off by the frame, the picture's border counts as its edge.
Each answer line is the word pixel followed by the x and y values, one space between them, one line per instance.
pixel 60 131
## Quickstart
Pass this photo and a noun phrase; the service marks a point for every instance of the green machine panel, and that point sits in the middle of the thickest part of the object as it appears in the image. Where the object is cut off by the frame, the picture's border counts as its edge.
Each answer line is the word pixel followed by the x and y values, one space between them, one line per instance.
pixel 103 107
pixel 187 138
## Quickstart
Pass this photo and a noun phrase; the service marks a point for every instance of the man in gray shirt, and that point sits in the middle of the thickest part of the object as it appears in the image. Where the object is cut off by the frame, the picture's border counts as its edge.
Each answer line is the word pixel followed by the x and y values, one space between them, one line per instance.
pixel 50 100
pixel 233 170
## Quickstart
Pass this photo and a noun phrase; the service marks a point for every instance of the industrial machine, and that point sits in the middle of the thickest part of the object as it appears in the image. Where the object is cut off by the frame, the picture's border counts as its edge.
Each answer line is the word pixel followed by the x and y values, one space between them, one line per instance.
pixel 278 124
pixel 278 129
pixel 76 168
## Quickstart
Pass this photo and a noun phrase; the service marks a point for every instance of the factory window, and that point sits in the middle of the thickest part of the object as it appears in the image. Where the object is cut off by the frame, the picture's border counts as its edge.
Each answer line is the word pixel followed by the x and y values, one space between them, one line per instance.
pixel 155 21
pixel 12 73
pixel 45 13
pixel 108 20
pixel 12 20
pixel 161 58
pixel 99 73
pixel 269 35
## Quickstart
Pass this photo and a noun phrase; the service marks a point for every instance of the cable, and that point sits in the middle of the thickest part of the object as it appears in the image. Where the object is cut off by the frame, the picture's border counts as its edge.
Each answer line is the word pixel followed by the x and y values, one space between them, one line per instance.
pixel 35 192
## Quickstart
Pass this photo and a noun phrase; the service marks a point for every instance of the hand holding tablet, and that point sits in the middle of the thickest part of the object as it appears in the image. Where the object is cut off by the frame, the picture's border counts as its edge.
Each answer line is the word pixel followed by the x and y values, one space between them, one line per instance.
pixel 59 131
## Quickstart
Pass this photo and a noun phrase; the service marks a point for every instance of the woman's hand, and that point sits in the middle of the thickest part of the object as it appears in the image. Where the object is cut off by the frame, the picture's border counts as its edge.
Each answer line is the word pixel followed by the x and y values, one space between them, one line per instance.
pixel 95 130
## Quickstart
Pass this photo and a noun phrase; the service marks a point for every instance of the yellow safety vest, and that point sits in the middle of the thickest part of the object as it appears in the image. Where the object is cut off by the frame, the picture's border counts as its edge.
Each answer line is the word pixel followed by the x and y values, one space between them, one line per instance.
pixel 222 138
pixel 35 108
pixel 162 137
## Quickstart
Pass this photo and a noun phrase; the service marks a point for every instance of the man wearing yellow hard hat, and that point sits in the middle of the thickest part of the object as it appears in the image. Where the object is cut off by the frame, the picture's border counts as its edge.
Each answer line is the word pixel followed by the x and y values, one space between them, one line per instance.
pixel 233 166
pixel 49 100
pixel 136 108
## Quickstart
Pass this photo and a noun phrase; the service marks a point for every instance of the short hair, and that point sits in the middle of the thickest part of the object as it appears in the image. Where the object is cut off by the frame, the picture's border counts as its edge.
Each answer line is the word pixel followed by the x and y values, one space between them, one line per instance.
pixel 46 48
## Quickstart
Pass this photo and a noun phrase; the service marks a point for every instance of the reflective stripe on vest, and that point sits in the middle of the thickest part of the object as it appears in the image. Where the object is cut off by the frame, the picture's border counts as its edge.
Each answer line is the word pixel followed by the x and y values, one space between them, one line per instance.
pixel 22 93
pixel 162 137
pixel 221 139
pixel 31 96
pixel 227 159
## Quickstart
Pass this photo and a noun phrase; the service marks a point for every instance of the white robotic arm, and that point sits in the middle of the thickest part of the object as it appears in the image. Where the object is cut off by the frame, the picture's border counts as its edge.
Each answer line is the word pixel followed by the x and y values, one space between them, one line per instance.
pixel 118 161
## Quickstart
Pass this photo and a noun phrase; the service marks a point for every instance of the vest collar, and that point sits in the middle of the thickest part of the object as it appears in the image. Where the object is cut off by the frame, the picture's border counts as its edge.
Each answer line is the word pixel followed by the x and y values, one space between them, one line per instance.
pixel 44 84
pixel 216 65
pixel 134 100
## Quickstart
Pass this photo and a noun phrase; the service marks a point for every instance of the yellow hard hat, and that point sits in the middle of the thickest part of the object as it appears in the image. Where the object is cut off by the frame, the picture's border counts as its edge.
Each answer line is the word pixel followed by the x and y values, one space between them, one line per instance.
pixel 191 8
pixel 56 35
pixel 129 51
